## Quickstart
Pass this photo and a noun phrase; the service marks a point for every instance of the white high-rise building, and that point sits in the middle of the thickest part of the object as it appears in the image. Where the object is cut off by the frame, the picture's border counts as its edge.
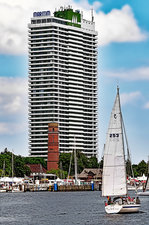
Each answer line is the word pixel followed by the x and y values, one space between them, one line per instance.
pixel 62 81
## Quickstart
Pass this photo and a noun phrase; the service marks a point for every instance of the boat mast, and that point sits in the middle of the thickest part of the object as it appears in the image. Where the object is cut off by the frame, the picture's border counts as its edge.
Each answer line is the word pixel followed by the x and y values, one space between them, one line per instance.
pixel 69 166
pixel 12 165
pixel 122 125
pixel 148 165
pixel 128 154
pixel 147 181
pixel 75 160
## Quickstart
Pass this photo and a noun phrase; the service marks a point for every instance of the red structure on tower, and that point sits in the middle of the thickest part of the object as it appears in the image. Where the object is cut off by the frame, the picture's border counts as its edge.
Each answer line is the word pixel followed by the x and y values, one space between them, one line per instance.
pixel 53 146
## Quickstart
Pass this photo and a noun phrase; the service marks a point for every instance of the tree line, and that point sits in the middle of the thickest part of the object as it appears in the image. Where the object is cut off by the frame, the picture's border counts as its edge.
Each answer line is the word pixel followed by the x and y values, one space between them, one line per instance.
pixel 20 168
pixel 8 160
pixel 65 159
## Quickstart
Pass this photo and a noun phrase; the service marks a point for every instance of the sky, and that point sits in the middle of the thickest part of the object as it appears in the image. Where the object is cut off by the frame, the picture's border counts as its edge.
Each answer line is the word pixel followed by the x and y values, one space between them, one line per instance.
pixel 123 59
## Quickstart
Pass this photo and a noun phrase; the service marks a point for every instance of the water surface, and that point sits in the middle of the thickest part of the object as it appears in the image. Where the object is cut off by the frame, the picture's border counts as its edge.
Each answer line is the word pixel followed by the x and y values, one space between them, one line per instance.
pixel 64 208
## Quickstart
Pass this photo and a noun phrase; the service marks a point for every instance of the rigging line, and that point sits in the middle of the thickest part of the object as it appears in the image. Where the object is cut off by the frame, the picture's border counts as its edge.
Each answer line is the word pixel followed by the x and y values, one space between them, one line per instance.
pixel 121 124
pixel 12 164
pixel 147 181
pixel 102 155
pixel 128 154
pixel 75 159
pixel 148 165
pixel 70 165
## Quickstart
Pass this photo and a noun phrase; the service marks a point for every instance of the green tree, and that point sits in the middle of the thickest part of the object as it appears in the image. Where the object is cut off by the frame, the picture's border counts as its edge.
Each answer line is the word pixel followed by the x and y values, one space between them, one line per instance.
pixel 20 169
pixel 82 162
pixel 6 159
pixel 35 160
pixel 64 159
pixel 134 167
pixel 142 168
pixel 1 172
pixel 19 163
pixel 128 168
pixel 93 162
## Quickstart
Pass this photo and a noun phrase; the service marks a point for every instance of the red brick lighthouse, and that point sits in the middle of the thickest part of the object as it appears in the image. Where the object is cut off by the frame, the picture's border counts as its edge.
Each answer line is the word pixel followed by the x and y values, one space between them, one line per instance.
pixel 53 146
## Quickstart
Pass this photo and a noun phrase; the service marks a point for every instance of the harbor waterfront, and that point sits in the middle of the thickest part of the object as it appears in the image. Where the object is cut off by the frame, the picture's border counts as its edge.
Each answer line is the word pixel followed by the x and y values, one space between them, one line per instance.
pixel 64 208
pixel 62 181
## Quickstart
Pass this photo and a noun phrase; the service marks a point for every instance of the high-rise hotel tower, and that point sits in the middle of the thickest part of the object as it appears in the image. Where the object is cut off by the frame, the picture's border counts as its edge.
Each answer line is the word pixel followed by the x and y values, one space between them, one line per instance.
pixel 62 81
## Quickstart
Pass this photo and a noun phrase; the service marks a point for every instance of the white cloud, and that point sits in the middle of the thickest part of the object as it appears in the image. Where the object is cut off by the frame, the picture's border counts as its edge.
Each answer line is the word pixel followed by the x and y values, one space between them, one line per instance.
pixel 13 105
pixel 14 18
pixel 141 73
pixel 86 7
pixel 97 5
pixel 10 128
pixel 13 95
pixel 146 106
pixel 3 128
pixel 119 25
pixel 131 97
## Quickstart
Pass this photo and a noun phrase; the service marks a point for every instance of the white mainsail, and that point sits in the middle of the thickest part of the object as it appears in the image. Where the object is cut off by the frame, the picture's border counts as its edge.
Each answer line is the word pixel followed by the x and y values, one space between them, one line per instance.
pixel 114 169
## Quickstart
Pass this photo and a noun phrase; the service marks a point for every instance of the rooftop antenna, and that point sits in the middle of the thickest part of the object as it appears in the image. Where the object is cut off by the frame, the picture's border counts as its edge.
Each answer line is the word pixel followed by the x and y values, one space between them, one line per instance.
pixel 92 15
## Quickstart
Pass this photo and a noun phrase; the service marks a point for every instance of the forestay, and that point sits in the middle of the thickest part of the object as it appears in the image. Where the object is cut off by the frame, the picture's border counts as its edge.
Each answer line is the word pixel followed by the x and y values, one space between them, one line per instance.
pixel 147 184
pixel 114 170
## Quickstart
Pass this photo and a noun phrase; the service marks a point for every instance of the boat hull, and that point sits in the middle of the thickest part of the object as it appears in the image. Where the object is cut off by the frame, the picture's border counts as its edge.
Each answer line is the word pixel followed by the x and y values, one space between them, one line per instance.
pixel 2 190
pixel 145 193
pixel 126 208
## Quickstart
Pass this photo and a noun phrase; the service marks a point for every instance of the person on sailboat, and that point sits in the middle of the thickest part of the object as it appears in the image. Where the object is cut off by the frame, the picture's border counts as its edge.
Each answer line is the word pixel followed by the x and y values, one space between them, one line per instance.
pixel 137 200
pixel 109 200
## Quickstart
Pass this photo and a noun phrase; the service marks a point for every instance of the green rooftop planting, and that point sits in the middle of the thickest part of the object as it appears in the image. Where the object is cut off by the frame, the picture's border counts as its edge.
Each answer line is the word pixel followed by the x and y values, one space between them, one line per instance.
pixel 69 14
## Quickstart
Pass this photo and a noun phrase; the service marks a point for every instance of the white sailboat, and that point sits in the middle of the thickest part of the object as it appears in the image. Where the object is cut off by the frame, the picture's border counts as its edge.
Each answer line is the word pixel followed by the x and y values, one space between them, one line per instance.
pixel 146 189
pixel 114 182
